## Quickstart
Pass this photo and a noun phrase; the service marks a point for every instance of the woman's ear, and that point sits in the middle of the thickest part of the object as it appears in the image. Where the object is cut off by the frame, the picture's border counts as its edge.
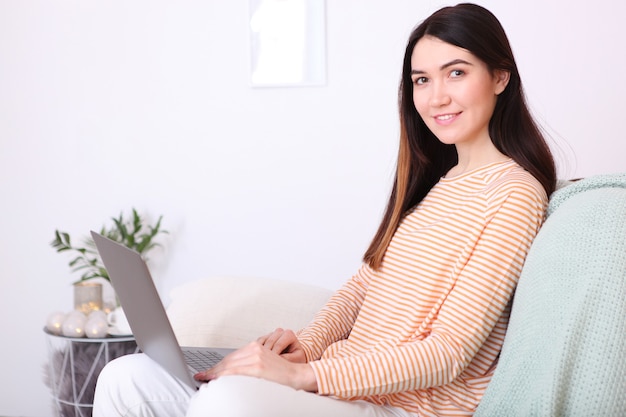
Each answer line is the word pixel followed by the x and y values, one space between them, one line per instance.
pixel 502 80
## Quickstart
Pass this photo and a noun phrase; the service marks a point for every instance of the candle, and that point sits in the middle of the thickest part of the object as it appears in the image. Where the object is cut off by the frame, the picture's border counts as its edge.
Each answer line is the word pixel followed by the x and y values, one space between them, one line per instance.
pixel 87 296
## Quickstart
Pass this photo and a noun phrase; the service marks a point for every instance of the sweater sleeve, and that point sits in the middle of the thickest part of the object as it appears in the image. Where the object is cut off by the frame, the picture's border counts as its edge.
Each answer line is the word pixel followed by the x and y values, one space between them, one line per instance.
pixel 462 319
pixel 335 320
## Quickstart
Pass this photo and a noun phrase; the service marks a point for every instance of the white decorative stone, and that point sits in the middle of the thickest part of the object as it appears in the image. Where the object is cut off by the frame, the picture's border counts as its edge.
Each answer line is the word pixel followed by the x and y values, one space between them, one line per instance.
pixel 74 324
pixel 54 322
pixel 96 325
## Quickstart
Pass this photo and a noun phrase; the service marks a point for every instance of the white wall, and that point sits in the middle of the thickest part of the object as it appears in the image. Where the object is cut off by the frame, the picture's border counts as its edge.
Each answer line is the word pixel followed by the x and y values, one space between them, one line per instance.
pixel 108 105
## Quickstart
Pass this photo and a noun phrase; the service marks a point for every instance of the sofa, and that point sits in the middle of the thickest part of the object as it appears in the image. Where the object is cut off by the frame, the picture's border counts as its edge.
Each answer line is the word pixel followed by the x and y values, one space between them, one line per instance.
pixel 565 349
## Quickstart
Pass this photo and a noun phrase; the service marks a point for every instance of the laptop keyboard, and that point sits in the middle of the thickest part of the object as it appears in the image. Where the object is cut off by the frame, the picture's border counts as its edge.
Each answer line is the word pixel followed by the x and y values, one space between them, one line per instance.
pixel 201 360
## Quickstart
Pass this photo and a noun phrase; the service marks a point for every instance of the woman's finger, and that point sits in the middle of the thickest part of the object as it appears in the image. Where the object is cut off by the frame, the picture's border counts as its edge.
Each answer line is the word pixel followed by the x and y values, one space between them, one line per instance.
pixel 271 339
pixel 284 342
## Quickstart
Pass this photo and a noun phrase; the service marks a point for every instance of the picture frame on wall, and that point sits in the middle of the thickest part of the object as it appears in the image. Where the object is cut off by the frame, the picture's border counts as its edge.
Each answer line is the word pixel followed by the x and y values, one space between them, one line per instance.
pixel 287 43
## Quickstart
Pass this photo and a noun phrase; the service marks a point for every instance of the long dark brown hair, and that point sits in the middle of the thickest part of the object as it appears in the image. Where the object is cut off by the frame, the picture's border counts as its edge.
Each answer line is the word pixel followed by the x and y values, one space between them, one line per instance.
pixel 422 158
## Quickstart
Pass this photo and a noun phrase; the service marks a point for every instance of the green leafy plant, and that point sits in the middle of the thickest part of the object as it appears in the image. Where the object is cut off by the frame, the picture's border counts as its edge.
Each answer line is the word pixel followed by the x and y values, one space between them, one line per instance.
pixel 134 233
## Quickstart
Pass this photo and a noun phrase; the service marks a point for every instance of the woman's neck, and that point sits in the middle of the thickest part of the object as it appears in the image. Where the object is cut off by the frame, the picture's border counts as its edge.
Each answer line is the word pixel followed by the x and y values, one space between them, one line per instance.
pixel 470 160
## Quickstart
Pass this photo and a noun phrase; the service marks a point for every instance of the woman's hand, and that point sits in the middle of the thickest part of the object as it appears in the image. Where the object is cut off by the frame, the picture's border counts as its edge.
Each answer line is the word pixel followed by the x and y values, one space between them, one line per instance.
pixel 284 343
pixel 260 361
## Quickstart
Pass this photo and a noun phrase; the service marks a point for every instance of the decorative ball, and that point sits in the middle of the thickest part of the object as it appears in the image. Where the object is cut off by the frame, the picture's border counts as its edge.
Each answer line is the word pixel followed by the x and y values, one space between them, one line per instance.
pixel 96 325
pixel 99 314
pixel 74 324
pixel 54 322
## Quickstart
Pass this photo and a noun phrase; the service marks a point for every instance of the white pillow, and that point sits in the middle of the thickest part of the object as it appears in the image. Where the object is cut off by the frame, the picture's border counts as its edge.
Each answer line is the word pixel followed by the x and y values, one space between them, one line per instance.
pixel 232 311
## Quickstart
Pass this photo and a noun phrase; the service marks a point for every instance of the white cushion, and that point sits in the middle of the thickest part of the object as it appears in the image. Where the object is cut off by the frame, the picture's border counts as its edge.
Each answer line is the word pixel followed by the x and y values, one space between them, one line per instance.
pixel 232 311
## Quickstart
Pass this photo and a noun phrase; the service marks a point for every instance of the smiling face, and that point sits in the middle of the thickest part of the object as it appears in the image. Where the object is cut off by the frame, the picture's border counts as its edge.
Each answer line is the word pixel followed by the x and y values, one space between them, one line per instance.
pixel 454 92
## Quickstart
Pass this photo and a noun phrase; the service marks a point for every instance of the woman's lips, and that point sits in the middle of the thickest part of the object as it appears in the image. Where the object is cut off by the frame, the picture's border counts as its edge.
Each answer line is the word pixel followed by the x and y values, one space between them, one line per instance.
pixel 446 119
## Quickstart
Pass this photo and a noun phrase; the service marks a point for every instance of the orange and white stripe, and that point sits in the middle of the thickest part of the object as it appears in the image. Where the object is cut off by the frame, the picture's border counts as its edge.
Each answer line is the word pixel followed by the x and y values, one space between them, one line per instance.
pixel 424 331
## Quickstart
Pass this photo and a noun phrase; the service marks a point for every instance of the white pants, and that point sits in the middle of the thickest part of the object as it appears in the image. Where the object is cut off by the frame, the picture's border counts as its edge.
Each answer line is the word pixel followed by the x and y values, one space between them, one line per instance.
pixel 134 385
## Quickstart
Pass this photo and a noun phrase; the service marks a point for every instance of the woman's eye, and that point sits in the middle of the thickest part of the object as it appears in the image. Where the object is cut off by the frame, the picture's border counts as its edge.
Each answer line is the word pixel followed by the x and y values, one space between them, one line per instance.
pixel 420 80
pixel 456 73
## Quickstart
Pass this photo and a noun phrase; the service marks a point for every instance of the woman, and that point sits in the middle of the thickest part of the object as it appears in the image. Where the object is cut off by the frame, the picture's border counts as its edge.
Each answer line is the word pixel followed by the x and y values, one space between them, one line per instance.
pixel 418 329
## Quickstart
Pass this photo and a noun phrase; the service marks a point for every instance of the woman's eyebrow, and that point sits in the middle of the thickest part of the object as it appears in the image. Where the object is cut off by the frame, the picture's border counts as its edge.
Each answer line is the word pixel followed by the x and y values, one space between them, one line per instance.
pixel 444 66
pixel 455 62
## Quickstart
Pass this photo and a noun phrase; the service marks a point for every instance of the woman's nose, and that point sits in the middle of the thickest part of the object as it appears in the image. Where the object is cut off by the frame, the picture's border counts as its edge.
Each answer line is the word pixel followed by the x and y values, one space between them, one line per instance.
pixel 439 95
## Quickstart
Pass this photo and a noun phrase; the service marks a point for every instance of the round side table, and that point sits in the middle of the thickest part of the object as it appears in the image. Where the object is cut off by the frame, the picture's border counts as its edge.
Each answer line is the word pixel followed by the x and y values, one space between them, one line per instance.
pixel 74 365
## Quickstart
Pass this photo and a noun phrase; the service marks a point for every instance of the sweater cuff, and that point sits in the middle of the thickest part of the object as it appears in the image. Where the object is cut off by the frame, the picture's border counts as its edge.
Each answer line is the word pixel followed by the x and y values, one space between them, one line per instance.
pixel 308 350
pixel 323 386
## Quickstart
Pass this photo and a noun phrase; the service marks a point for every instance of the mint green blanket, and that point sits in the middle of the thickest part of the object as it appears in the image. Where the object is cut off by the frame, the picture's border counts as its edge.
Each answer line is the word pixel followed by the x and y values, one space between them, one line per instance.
pixel 565 348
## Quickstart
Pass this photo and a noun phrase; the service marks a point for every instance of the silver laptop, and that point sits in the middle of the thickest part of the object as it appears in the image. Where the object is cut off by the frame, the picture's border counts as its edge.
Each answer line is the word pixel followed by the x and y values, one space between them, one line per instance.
pixel 146 315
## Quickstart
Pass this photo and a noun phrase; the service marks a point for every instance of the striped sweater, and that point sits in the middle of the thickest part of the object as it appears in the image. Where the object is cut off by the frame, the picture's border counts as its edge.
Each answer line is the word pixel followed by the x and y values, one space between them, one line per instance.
pixel 424 331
